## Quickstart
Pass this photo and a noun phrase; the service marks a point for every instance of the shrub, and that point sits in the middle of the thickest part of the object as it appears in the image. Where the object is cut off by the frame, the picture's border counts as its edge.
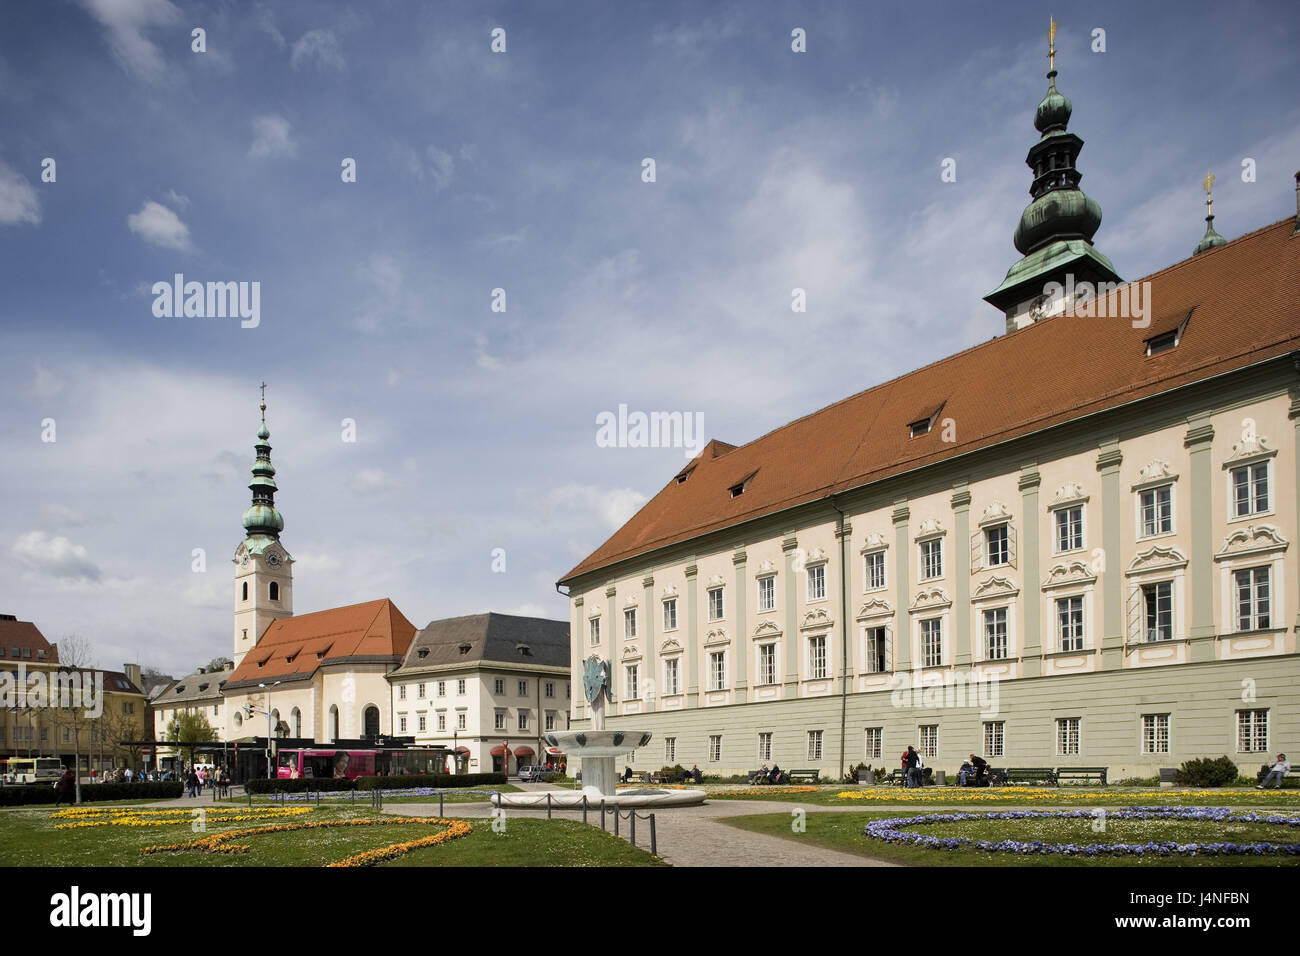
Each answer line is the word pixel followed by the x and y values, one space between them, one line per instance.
pixel 298 785
pixel 1207 772
pixel 439 781
pixel 90 793
pixel 852 775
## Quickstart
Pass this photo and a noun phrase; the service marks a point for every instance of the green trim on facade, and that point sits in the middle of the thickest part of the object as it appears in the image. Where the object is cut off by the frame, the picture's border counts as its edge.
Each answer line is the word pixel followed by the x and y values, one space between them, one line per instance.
pixel 961 601
pixel 788 546
pixel 1199 443
pixel 742 628
pixel 1112 581
pixel 1032 646
pixel 692 658
pixel 902 565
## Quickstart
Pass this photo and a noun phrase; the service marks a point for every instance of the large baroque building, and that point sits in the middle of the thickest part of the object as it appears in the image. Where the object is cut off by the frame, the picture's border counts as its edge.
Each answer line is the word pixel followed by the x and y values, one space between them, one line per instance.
pixel 1080 536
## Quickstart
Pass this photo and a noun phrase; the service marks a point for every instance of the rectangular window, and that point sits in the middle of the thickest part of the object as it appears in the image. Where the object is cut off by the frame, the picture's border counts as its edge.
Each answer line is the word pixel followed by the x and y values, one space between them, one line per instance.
pixel 932 642
pixel 929 739
pixel 718 670
pixel 633 690
pixel 817 583
pixel 715 604
pixel 460 721
pixel 873 571
pixel 1069 623
pixel 523 720
pixel 499 686
pixel 670 750
pixel 1252 731
pixel 442 688
pixel 1157 510
pixel 523 688
pixel 1067 736
pixel 766 664
pixel 1155 733
pixel 594 626
pixel 715 747
pixel 550 720
pixel 460 687
pixel 995 738
pixel 422 722
pixel 442 721
pixel 1069 529
pixel 995 634
pixel 1249 490
pixel 500 720
pixel 401 692
pixel 419 691
pixel 765 746
pixel 671 685
pixel 875 743
pixel 549 690
pixel 1158 602
pixel 814 745
pixel 997 550
pixel 670 614
pixel 1253 599
pixel 817 657
pixel 931 559
pixel 877 651
pixel 629 622
pixel 401 723
pixel 767 593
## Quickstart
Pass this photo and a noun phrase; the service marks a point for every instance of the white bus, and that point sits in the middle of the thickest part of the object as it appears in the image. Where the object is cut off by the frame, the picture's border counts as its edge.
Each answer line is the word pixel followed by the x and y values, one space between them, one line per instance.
pixel 19 770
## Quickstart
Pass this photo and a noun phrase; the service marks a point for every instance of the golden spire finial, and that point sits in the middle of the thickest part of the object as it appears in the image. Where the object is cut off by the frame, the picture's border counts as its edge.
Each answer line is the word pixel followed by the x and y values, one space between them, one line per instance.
pixel 1207 184
pixel 262 403
pixel 1051 45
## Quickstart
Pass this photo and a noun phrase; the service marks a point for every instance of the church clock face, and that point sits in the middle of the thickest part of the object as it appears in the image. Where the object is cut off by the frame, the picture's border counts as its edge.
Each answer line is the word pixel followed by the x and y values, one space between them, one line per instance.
pixel 243 559
pixel 273 559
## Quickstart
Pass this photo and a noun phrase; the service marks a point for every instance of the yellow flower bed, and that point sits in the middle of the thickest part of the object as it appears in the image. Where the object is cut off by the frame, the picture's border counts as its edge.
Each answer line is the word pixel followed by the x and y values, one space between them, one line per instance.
pixel 1012 794
pixel 220 842
pixel 765 791
pixel 85 817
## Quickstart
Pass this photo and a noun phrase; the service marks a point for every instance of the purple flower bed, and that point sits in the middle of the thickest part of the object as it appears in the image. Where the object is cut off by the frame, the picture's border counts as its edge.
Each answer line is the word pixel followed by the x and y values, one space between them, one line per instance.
pixel 407 792
pixel 891 831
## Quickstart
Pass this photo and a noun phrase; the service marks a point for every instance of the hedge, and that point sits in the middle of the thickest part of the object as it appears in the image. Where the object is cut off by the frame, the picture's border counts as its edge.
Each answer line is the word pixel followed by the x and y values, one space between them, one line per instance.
pixel 15 796
pixel 297 785
pixel 439 781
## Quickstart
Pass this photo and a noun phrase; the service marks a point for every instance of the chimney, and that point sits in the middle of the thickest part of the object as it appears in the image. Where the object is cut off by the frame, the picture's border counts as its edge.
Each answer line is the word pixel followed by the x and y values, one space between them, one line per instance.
pixel 132 672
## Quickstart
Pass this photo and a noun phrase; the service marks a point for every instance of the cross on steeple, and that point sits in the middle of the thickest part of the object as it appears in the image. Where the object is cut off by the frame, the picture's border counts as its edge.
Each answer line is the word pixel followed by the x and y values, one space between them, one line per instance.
pixel 262 404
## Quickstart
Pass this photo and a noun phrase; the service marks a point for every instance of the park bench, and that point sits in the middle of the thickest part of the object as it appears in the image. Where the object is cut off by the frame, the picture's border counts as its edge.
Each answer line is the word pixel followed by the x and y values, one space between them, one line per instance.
pixel 1029 775
pixel 1292 779
pixel 757 776
pixel 1086 774
pixel 805 776
pixel 899 777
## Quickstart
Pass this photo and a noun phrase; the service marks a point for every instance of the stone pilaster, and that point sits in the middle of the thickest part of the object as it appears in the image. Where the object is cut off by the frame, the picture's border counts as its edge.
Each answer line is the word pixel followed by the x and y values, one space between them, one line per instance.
pixel 1200 578
pixel 788 547
pixel 691 659
pixel 902 581
pixel 1031 640
pixel 962 570
pixel 1112 576
pixel 741 665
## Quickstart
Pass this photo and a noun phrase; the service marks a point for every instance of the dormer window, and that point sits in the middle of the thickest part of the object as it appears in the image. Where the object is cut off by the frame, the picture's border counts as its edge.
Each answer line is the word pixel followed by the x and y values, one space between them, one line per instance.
pixel 919 428
pixel 684 474
pixel 422 652
pixel 739 487
pixel 465 647
pixel 1162 343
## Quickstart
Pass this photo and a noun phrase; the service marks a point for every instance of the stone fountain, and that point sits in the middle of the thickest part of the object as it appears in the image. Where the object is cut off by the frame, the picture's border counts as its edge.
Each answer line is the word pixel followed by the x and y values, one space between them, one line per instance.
pixel 598 749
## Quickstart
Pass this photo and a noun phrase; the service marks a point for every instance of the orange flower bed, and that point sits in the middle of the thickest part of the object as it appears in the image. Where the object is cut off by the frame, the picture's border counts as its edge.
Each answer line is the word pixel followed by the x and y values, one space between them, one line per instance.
pixel 221 842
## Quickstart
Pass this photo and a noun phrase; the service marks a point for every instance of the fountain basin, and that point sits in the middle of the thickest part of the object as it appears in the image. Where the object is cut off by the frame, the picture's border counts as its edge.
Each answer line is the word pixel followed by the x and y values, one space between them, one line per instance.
pixel 598 743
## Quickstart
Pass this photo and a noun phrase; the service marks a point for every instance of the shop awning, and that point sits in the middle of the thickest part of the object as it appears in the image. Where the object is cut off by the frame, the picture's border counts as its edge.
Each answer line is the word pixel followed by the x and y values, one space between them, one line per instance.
pixel 500 750
pixel 523 751
pixel 462 750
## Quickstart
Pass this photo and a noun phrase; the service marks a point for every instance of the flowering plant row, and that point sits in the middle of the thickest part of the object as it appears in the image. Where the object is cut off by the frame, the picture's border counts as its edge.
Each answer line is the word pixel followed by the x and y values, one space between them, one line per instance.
pixel 892 831
pixel 1014 794
pixel 455 829
pixel 136 817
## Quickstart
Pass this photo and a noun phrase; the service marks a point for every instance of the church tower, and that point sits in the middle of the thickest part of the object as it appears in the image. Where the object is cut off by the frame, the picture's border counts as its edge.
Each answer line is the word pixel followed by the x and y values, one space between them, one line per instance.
pixel 1056 229
pixel 263 569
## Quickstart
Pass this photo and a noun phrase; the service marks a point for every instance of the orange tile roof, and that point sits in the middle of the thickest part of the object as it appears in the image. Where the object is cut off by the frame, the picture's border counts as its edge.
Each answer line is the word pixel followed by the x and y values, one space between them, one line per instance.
pixel 1245 308
pixel 294 647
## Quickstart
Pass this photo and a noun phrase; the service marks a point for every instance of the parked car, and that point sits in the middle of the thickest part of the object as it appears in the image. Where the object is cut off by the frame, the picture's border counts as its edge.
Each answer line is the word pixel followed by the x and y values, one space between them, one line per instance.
pixel 534 774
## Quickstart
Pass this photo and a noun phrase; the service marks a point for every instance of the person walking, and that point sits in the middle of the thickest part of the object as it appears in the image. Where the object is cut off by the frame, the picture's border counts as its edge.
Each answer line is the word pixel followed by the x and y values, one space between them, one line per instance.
pixel 65 786
pixel 912 760
pixel 1277 772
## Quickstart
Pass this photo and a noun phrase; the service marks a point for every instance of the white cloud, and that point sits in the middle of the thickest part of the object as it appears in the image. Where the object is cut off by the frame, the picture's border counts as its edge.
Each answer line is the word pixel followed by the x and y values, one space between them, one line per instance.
pixel 271 138
pixel 318 45
pixel 177 200
pixel 158 225
pixel 64 516
pixel 481 357
pixel 612 506
pixel 18 200
pixel 124 23
pixel 55 557
pixel 441 166
pixel 44 384
pixel 370 481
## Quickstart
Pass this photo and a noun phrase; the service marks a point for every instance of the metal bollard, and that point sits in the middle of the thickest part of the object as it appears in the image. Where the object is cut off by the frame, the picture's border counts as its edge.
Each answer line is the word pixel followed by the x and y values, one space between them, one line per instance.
pixel 602 813
pixel 616 816
pixel 548 806
pixel 584 808
pixel 631 828
pixel 654 847
pixel 440 813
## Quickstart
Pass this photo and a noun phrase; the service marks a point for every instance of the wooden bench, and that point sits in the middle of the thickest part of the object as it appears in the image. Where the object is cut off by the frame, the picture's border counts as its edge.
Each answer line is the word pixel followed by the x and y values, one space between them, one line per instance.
pixel 1086 774
pixel 804 776
pixel 1028 775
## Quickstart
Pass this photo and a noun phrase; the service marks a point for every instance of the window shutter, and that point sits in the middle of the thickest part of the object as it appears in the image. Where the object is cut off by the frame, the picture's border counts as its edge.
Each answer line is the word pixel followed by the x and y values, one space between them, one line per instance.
pixel 1011 544
pixel 1135 615
pixel 888 641
pixel 976 550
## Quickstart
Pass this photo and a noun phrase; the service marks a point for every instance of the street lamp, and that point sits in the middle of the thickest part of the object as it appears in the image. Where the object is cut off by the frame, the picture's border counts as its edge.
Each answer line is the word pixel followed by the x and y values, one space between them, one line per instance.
pixel 251 711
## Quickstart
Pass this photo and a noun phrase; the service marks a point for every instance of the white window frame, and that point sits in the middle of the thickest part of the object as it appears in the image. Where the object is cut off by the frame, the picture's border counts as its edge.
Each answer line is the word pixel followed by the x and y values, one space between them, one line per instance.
pixel 1168 733
pixel 629 623
pixel 1059 632
pixel 867 557
pixel 1006 632
pixel 593 630
pixel 1140 525
pixel 1254 731
pixel 922 657
pixel 721 593
pixel 814 745
pixel 632 681
pixel 717 674
pixel 1154 586
pixel 670 750
pixel 764 745
pixel 1063 724
pixel 499 719
pixel 927 739
pixel 769 647
pixel 442 720
pixel 815 574
pixel 814 642
pixel 766 587
pixel 873 736
pixel 985 530
pixel 1063 511
pixel 1271 556
pixel 670 604
pixel 715 748
pixel 672 676
pixel 936 541
pixel 869 659
pixel 994 733
pixel 499 686
pixel 1231 467
pixel 1254 615
pixel 523 718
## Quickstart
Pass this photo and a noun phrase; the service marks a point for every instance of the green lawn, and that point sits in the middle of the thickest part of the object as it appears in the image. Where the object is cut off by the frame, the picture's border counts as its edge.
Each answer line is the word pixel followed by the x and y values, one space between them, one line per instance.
pixel 28 838
pixel 843 831
pixel 993 797
pixel 361 798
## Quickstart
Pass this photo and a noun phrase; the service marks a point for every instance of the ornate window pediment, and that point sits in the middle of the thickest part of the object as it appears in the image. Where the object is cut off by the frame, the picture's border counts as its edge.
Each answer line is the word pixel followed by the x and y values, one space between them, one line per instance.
pixel 1156 473
pixel 669 593
pixel 1250 448
pixel 630 601
pixel 995 513
pixel 1067 575
pixel 875 541
pixel 767 567
pixel 929 528
pixel 670 647
pixel 593 613
pixel 816 618
pixel 716 636
pixel 1250 540
pixel 875 608
pixel 767 629
pixel 1157 558
pixel 717 581
pixel 1070 493
pixel 995 587
pixel 930 599
pixel 630 652
pixel 815 556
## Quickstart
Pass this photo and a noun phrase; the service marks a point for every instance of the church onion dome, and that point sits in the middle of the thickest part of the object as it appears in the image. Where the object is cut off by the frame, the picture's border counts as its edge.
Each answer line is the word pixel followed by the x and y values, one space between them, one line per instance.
pixel 1210 240
pixel 1054 112
pixel 1058 214
pixel 261 520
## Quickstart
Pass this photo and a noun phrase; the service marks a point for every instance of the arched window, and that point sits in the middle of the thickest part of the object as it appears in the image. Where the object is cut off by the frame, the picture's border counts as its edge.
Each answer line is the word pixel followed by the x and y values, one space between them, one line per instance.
pixel 334 724
pixel 295 718
pixel 244 596
pixel 372 721
pixel 239 719
pixel 275 591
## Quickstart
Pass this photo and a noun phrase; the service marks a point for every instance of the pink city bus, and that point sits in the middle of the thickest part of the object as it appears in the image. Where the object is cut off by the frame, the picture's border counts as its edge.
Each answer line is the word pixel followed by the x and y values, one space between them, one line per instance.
pixel 326 763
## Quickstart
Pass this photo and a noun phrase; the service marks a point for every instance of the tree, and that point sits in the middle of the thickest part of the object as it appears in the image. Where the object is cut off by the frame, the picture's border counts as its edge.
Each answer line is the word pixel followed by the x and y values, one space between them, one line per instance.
pixel 75 656
pixel 189 729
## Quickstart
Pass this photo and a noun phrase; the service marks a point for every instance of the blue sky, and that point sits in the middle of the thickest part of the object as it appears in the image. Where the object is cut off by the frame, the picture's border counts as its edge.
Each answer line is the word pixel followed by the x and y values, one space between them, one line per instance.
pixel 522 171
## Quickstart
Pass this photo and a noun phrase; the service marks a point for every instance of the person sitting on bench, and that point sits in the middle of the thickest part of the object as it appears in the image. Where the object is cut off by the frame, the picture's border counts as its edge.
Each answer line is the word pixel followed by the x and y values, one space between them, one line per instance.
pixel 627 774
pixel 966 771
pixel 774 776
